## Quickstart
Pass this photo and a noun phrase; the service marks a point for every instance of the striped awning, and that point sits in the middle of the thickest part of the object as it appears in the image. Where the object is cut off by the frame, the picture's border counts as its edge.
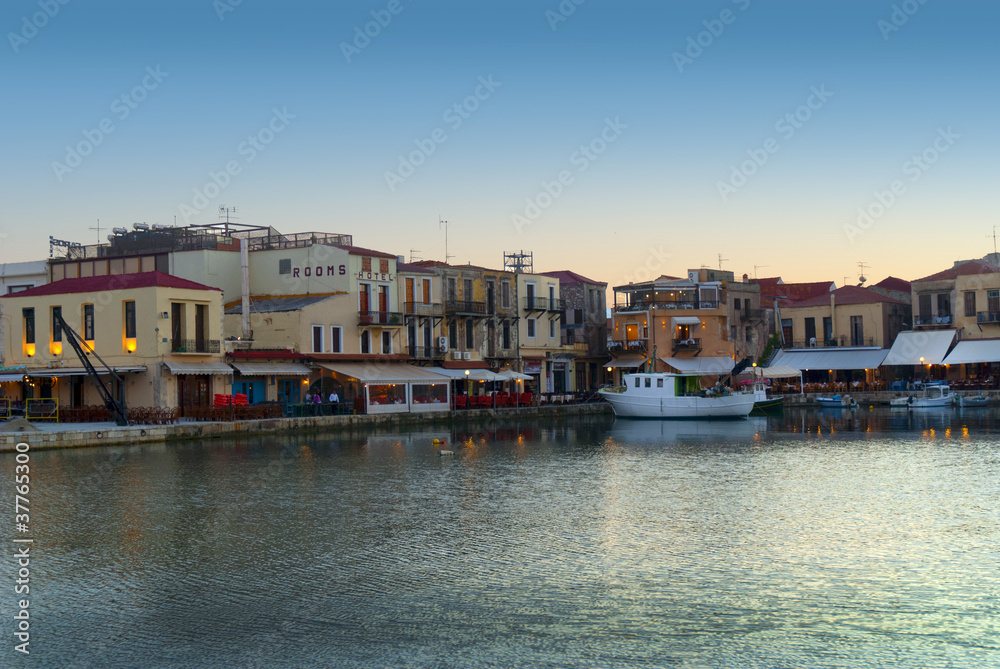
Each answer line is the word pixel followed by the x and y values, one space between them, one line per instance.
pixel 267 369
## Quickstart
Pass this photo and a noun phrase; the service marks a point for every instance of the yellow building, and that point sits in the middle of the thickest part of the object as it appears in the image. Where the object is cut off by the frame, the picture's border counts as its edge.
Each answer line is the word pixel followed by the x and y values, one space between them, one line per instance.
pixel 540 334
pixel 160 333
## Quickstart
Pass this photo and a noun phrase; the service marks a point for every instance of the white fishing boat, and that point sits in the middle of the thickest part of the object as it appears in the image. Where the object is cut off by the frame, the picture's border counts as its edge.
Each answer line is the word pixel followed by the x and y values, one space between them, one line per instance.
pixel 837 402
pixel 933 395
pixel 666 395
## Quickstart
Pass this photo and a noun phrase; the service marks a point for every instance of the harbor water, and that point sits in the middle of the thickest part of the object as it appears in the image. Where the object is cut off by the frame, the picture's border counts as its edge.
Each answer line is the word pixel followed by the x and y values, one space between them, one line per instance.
pixel 821 538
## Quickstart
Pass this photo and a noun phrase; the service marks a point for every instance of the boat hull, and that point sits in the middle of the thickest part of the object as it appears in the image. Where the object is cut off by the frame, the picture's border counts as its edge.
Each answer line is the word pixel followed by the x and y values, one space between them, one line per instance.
pixel 730 406
pixel 772 406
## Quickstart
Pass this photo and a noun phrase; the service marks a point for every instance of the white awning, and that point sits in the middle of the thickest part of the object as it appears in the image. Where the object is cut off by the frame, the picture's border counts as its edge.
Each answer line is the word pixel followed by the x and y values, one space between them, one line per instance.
pixel 8 378
pixel 922 347
pixel 831 357
pixel 198 368
pixel 511 375
pixel 685 320
pixel 381 372
pixel 474 374
pixel 266 369
pixel 699 365
pixel 780 372
pixel 628 361
pixel 972 350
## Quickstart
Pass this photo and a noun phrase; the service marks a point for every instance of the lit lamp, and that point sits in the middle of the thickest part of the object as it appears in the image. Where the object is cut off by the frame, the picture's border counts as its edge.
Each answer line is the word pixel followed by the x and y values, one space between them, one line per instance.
pixel 29 350
pixel 130 345
pixel 56 348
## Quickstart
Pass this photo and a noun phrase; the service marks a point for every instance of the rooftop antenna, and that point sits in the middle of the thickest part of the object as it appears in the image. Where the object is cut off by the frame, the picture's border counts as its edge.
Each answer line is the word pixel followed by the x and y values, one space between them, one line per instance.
pixel 226 211
pixel 861 266
pixel 721 259
pixel 413 258
pixel 755 269
pixel 98 228
pixel 994 236
pixel 445 224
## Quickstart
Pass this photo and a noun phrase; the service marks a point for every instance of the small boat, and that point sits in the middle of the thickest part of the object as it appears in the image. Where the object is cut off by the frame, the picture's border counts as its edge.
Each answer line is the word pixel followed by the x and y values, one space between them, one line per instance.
pixel 934 395
pixel 901 402
pixel 979 400
pixel 762 404
pixel 667 395
pixel 832 401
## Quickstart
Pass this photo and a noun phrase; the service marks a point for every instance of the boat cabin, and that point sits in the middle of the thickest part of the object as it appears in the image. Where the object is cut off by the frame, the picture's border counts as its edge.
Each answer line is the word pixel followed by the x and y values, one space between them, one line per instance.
pixel 663 384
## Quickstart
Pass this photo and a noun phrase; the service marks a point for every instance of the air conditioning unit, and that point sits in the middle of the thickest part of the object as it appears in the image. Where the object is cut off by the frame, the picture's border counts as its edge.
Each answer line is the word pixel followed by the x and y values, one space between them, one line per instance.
pixel 456 355
pixel 466 356
pixel 443 344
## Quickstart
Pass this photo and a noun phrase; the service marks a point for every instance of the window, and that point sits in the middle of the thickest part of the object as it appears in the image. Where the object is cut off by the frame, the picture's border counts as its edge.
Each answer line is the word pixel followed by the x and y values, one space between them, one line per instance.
pixel 857 331
pixel 749 334
pixel 366 342
pixel 648 384
pixel 944 304
pixel 428 336
pixel 467 290
pixel 383 265
pixel 659 383
pixel 285 266
pixel 827 330
pixel 736 305
pixel 56 327
pixel 427 291
pixel 317 339
pixel 810 331
pixel 970 303
pixel 529 297
pixel 452 290
pixel 386 341
pixel 130 319
pixel 552 329
pixel 469 335
pixel 637 382
pixel 505 294
pixel 88 322
pixel 364 298
pixel 531 327
pixel 505 341
pixel 29 325
pixel 366 264
pixel 453 335
pixel 924 300
pixel 993 301
pixel 336 339
pixel 552 296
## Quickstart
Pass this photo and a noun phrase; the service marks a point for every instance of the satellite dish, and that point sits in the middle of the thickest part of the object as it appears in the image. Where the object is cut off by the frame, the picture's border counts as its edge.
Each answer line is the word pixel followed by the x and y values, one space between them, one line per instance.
pixel 862 278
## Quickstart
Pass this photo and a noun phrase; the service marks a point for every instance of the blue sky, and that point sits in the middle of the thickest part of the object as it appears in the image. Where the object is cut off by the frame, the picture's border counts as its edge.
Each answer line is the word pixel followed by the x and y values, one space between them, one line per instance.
pixel 621 140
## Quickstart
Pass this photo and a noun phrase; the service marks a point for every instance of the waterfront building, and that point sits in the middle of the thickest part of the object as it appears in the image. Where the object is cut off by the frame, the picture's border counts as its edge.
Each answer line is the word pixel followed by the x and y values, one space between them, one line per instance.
pixel 18 276
pixel 845 334
pixel 160 333
pixel 683 324
pixel 775 294
pixel 539 333
pixel 584 327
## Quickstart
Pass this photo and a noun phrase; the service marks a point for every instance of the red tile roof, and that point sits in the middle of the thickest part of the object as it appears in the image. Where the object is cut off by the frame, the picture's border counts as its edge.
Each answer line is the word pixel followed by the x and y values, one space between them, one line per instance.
pixel 407 268
pixel 569 276
pixel 360 251
pixel 785 293
pixel 95 284
pixel 966 268
pixel 845 295
pixel 892 283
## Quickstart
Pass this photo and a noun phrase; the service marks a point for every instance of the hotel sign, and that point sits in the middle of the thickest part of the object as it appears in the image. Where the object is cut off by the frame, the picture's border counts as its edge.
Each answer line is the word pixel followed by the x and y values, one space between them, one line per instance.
pixel 329 270
pixel 375 276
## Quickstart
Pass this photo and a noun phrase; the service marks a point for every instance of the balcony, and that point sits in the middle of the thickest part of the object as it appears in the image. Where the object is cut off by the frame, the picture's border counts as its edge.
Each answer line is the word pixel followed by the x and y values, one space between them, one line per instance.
pixel 386 318
pixel 843 340
pixel 426 353
pixel 988 317
pixel 465 308
pixel 750 315
pixel 631 345
pixel 666 304
pixel 932 321
pixel 197 346
pixel 689 344
pixel 423 309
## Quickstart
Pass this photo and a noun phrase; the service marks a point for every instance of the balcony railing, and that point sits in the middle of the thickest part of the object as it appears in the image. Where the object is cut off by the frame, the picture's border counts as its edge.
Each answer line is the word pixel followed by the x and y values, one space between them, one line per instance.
pixel 933 320
pixel 465 307
pixel 427 353
pixel 195 346
pixel 988 317
pixel 750 314
pixel 635 345
pixel 689 344
pixel 843 340
pixel 380 318
pixel 667 304
pixel 423 309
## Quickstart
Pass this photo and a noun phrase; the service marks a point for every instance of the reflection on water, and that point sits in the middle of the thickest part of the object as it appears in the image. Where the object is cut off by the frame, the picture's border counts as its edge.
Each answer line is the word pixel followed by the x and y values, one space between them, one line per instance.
pixel 817 538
